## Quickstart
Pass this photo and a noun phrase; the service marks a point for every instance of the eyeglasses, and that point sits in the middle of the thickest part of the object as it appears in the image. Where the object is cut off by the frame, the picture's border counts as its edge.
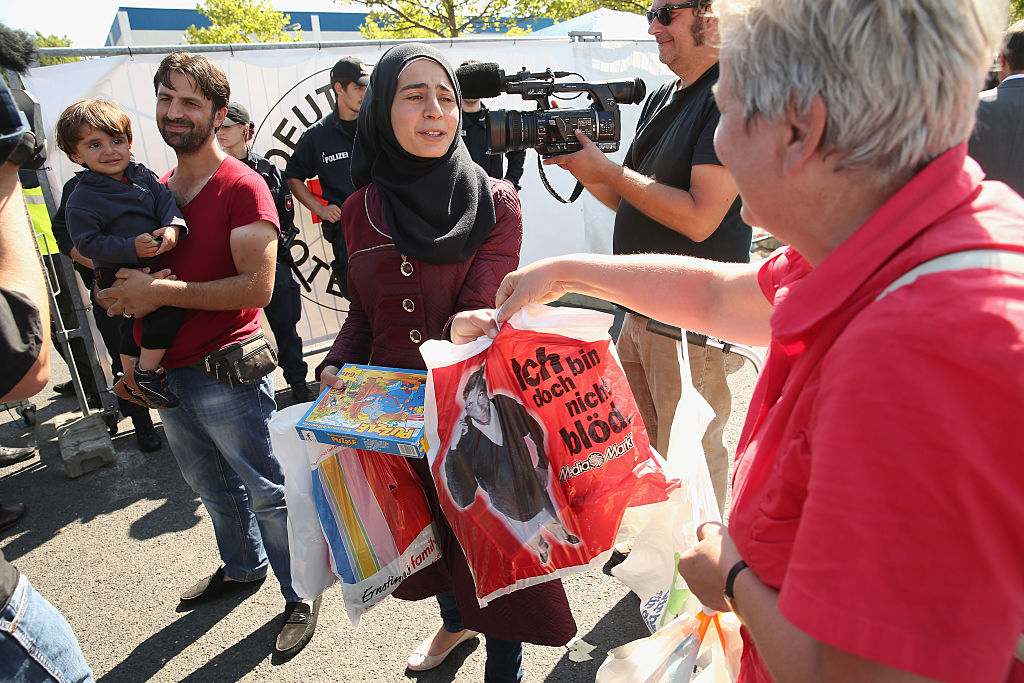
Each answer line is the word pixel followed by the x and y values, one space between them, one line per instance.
pixel 664 13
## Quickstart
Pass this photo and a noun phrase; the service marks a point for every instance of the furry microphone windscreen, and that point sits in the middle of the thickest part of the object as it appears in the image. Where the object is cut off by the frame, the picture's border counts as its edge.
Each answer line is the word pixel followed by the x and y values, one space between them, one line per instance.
pixel 17 49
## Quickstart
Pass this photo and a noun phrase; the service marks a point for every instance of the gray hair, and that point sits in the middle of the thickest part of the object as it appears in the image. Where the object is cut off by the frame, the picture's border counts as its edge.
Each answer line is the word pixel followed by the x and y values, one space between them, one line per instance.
pixel 899 78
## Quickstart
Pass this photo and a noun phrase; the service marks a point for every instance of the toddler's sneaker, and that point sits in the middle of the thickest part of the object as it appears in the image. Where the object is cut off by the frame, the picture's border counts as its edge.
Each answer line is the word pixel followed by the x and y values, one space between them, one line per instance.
pixel 151 385
pixel 121 390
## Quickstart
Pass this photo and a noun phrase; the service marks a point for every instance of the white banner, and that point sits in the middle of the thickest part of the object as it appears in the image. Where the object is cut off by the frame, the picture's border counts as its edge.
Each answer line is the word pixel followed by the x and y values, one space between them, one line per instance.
pixel 288 90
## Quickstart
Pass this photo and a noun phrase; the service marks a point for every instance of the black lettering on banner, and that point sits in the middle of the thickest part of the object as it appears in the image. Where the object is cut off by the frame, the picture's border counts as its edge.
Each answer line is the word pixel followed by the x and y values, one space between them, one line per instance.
pixel 316 117
pixel 305 252
pixel 319 264
pixel 327 91
pixel 332 287
pixel 287 138
pixel 278 153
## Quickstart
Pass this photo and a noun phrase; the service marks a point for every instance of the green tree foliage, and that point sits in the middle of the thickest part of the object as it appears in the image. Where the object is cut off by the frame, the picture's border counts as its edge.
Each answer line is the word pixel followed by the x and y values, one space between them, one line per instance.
pixel 54 41
pixel 241 21
pixel 1016 10
pixel 454 18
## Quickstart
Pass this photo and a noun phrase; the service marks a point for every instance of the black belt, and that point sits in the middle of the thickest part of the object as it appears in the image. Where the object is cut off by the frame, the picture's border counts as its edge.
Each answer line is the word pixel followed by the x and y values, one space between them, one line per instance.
pixel 673 332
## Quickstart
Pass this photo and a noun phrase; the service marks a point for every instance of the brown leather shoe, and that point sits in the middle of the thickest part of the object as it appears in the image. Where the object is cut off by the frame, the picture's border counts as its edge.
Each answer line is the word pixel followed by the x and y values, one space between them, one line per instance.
pixel 10 514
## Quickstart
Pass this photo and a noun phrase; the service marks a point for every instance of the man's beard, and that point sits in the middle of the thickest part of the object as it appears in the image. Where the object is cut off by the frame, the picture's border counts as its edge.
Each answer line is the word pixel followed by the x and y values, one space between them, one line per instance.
pixel 185 141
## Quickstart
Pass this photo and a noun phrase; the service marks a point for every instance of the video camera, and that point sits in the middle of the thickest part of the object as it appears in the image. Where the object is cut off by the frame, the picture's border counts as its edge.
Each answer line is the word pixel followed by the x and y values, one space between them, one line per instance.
pixel 549 131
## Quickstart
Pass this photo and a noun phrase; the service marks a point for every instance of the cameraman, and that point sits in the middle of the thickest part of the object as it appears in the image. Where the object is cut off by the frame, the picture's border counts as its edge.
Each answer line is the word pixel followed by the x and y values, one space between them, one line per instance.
pixel 672 195
pixel 477 139
pixel 285 308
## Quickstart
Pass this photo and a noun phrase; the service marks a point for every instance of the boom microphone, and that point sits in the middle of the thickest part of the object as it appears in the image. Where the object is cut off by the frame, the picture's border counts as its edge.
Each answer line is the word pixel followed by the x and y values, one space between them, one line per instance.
pixel 488 80
pixel 17 49
pixel 481 80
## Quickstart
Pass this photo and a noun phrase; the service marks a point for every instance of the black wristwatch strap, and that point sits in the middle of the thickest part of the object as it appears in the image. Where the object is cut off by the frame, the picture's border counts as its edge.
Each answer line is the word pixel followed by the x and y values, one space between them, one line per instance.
pixel 731 578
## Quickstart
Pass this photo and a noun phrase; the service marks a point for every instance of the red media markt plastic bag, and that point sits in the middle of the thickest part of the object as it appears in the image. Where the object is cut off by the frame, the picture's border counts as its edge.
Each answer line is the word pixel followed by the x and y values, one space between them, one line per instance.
pixel 536 447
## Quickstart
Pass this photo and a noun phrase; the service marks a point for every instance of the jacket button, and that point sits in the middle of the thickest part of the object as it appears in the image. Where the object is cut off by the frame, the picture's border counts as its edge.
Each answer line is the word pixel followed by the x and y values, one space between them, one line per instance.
pixel 415 336
pixel 408 305
pixel 405 268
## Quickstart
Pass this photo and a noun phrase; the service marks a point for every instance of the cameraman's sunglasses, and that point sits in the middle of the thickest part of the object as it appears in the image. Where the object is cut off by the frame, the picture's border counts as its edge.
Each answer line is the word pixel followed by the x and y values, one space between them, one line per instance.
pixel 664 13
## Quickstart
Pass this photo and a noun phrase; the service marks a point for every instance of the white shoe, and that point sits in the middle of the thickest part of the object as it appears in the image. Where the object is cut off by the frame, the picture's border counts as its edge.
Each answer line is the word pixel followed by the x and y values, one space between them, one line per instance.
pixel 422 660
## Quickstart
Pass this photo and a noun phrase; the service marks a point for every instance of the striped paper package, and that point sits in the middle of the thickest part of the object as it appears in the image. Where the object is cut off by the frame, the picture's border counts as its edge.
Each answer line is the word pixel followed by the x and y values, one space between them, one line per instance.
pixel 374 516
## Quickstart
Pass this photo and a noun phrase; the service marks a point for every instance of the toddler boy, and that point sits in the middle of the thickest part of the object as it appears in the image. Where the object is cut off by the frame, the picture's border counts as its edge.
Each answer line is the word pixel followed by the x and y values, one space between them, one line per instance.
pixel 121 216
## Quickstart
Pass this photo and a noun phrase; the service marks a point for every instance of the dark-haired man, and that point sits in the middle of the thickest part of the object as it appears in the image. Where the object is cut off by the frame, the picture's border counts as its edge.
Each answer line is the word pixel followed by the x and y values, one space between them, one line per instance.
pixel 998 140
pixel 325 151
pixel 219 364
pixel 285 308
pixel 673 196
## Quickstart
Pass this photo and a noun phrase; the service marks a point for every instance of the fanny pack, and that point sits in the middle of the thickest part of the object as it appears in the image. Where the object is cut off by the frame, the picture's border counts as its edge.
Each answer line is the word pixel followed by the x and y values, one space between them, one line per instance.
pixel 243 362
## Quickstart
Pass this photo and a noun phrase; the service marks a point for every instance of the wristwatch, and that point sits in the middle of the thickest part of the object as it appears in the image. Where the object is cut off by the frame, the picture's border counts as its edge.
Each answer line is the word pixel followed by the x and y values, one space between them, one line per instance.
pixel 729 581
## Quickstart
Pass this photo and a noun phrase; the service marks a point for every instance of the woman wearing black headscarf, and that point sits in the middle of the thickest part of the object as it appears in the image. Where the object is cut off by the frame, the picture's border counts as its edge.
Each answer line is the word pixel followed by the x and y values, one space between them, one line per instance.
pixel 429 235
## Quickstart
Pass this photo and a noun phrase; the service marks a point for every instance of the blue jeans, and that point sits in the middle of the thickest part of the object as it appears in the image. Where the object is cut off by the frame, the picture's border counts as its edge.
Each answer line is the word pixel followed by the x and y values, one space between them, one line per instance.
pixel 504 662
pixel 283 313
pixel 36 641
pixel 219 437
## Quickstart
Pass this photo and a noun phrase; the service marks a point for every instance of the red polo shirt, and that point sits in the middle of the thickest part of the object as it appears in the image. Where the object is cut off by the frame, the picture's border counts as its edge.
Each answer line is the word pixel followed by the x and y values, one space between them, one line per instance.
pixel 879 483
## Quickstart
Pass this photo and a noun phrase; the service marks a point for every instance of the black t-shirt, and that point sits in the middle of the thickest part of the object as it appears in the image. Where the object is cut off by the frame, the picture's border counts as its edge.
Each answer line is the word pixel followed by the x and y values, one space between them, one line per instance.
pixel 21 337
pixel 325 151
pixel 676 132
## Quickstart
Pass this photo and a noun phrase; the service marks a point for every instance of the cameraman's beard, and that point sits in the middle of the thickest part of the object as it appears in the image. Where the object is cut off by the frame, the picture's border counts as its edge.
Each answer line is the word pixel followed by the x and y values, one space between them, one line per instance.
pixel 186 141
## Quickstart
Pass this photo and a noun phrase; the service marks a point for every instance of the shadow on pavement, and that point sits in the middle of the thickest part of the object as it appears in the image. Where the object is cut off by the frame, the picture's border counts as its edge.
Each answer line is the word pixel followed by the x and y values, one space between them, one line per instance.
pixel 621 625
pixel 56 501
pixel 239 659
pixel 150 656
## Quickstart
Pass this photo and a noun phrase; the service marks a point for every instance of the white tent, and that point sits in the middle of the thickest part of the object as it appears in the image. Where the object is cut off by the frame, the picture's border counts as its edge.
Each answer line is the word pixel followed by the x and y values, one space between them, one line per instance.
pixel 612 25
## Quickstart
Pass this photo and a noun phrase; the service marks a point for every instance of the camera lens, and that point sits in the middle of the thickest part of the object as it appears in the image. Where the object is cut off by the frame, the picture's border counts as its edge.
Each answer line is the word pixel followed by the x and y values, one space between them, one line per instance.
pixel 511 131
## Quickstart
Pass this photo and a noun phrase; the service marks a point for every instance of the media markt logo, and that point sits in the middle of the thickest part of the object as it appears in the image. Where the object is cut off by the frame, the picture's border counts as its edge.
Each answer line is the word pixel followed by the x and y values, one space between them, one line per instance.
pixel 596 459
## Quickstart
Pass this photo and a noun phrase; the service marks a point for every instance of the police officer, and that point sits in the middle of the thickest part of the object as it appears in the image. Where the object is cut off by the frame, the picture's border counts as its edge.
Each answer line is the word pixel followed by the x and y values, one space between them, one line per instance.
pixel 285 307
pixel 477 139
pixel 325 151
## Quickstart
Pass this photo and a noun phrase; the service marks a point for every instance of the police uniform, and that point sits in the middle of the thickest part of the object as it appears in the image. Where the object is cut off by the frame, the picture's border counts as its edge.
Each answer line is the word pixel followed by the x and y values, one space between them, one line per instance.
pixel 285 308
pixel 325 151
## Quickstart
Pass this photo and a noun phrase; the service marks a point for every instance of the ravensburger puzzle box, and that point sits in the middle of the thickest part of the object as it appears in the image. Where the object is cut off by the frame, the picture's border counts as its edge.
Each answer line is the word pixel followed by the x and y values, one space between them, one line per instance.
pixel 377 409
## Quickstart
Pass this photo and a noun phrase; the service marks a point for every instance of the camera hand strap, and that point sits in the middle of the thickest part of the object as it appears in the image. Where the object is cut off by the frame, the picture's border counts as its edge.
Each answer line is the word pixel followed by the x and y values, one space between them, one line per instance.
pixel 576 192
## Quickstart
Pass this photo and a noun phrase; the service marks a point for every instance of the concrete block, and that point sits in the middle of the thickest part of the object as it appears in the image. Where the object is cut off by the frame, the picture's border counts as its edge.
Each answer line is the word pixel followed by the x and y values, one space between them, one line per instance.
pixel 85 445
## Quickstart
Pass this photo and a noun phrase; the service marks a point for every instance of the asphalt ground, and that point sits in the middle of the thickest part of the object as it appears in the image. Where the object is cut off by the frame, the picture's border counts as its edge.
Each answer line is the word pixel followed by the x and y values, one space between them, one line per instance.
pixel 113 549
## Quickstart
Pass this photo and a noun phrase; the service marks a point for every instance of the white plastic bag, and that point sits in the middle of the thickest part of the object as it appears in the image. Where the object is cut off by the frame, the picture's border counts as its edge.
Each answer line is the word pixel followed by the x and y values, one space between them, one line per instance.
pixel 724 664
pixel 310 562
pixel 669 528
pixel 668 656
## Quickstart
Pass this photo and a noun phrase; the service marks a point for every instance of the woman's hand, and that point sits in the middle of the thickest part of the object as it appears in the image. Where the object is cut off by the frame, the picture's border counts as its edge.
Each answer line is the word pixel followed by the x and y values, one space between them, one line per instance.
pixel 706 565
pixel 469 325
pixel 329 378
pixel 538 282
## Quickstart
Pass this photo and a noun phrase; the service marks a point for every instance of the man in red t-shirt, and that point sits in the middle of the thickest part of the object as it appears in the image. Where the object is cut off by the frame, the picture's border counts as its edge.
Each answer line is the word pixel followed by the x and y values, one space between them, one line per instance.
pixel 224 274
pixel 877 524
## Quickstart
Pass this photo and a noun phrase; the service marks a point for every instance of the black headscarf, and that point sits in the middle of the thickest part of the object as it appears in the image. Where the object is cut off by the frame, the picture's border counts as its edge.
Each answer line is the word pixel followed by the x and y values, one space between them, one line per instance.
pixel 438 210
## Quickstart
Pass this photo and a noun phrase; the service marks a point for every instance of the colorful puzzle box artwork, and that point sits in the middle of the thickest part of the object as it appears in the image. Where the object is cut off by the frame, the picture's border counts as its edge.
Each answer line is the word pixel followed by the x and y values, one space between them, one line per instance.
pixel 377 409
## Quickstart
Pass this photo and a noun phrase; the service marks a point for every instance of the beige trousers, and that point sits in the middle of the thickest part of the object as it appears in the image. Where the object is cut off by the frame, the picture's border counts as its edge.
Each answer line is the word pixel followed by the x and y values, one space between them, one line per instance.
pixel 650 361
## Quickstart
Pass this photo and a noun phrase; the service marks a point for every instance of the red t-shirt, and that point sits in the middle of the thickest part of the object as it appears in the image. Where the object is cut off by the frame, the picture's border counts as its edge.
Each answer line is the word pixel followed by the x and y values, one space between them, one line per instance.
pixel 879 484
pixel 234 196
